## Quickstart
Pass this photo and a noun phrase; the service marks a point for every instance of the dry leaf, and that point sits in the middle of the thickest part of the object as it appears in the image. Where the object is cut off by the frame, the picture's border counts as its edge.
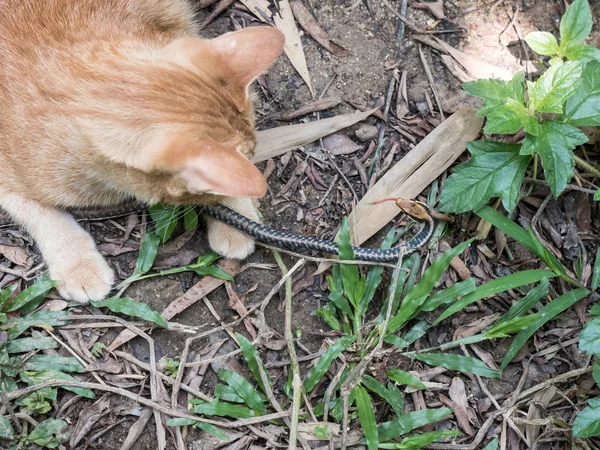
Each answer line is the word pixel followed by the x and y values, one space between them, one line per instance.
pixel 276 141
pixel 310 25
pixel 317 105
pixel 537 410
pixel 16 254
pixel 471 329
pixel 88 418
pixel 437 8
pixel 111 249
pixel 339 144
pixel 461 408
pixel 106 365
pixel 136 430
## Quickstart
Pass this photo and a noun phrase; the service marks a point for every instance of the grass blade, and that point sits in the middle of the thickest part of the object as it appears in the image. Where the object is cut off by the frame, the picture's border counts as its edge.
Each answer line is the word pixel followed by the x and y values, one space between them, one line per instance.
pixel 448 295
pixel 596 273
pixel 458 363
pixel 410 421
pixel 33 378
pixel 130 307
pixel 37 363
pixel 31 294
pixel 349 272
pixel 493 445
pixel 222 409
pixel 190 219
pixel 165 219
pixel 544 315
pixel 392 396
pixel 208 427
pixel 402 377
pixel 494 287
pixel 325 361
pixel 148 252
pixel 421 440
pixel 42 319
pixel 366 417
pixel 253 359
pixel 522 307
pixel 244 389
pixel 5 295
pixel 29 344
pixel 374 277
pixel 422 289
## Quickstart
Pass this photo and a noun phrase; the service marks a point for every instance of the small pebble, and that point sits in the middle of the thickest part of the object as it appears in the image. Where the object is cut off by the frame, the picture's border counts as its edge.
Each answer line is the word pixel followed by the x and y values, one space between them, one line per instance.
pixel 367 132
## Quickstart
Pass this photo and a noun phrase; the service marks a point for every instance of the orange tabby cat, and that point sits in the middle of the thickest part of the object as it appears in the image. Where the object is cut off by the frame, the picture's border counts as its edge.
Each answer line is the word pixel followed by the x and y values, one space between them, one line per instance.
pixel 104 100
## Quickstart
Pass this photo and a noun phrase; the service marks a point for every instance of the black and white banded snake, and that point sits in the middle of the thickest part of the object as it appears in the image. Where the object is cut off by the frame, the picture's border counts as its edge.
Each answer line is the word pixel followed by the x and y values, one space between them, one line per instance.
pixel 415 209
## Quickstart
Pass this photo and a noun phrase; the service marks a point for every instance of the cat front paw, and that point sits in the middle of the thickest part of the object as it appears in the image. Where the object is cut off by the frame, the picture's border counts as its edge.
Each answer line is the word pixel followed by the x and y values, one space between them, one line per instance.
pixel 87 278
pixel 229 242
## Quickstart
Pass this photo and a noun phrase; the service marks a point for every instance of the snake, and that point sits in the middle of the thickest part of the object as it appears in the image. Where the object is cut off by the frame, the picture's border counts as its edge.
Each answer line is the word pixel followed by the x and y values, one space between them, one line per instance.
pixel 417 210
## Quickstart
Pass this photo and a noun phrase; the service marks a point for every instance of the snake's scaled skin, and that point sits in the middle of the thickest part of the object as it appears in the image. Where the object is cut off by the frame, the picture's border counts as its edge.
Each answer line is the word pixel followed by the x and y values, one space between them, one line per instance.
pixel 295 242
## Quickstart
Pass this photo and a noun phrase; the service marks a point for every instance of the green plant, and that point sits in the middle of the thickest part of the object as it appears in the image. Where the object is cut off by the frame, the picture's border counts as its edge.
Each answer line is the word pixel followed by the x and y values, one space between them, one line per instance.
pixel 171 367
pixel 562 99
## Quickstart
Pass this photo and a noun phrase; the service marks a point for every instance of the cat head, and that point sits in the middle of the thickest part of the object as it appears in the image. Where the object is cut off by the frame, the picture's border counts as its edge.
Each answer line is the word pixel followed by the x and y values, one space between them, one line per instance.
pixel 190 115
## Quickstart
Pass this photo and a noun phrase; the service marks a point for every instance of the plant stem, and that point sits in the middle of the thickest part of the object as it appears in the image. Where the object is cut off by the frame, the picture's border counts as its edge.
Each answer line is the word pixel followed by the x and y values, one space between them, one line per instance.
pixel 587 166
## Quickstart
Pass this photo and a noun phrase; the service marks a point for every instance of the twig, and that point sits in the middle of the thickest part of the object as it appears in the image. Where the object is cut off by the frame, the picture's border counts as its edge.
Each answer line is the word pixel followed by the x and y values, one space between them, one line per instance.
pixel 431 81
pixel 144 401
pixel 587 166
pixel 558 379
pixel 400 34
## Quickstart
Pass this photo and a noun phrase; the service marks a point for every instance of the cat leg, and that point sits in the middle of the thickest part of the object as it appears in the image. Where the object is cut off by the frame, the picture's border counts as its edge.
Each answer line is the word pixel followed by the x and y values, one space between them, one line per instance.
pixel 227 240
pixel 69 251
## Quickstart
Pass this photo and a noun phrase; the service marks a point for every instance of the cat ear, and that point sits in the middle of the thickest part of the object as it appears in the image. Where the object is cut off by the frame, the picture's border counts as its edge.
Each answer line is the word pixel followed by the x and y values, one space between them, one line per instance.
pixel 249 52
pixel 222 171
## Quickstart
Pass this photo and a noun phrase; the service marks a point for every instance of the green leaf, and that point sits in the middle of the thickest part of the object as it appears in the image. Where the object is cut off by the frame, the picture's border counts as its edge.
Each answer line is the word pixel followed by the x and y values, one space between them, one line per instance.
pixel 6 429
pixel 508 327
pixel 328 314
pixel 19 325
pixel 213 271
pixel 587 422
pixel 165 220
pixel 33 378
pixel 576 24
pixel 544 315
pixel 492 445
pixel 410 421
pixel 190 219
pixel 222 409
pixel 31 294
pixel 37 363
pixel 596 272
pixel 543 43
pixel 557 84
pixel 422 289
pixel 253 359
pixel 525 238
pixel 50 433
pixel 322 366
pixel 448 295
pixel 458 363
pixel 130 307
pixel 402 377
pixel 208 427
pixel 367 417
pixel 349 272
pixel 510 118
pixel 374 277
pixel 495 92
pixel 392 396
pixel 494 287
pixel 581 52
pixel 522 306
pixel 495 169
pixel 420 440
pixel 589 339
pixel 28 344
pixel 5 295
pixel 596 371
pixel 244 389
pixel 583 107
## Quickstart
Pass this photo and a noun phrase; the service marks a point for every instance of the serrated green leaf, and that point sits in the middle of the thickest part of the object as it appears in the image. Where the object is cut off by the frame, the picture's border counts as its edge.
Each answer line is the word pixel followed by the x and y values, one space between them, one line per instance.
pixel 253 359
pixel 587 422
pixel 367 417
pixel 50 433
pixel 495 169
pixel 458 363
pixel 543 43
pixel 402 377
pixel 222 409
pixel 555 144
pixel 34 292
pixel 494 287
pixel 392 396
pixel 6 429
pixel 581 52
pixel 589 339
pixel 557 84
pixel 190 219
pixel 583 107
pixel 495 92
pixel 410 421
pixel 148 252
pixel 244 389
pixel 37 363
pixel 28 344
pixel 547 313
pixel 493 445
pixel 418 294
pixel 420 440
pixel 322 366
pixel 510 118
pixel 165 219
pixel 576 24
pixel 130 307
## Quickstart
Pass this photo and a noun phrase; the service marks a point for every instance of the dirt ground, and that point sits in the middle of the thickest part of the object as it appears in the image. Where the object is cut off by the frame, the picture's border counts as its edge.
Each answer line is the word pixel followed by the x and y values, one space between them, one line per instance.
pixel 480 28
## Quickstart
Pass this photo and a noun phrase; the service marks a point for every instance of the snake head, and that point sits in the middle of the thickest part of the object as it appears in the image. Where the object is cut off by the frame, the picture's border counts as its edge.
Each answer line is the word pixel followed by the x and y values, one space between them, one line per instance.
pixel 415 209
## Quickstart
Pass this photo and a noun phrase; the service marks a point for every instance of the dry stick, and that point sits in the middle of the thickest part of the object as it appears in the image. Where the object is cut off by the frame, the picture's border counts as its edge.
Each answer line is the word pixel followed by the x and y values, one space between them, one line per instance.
pixel 356 373
pixel 431 81
pixel 167 379
pixel 289 339
pixel 144 401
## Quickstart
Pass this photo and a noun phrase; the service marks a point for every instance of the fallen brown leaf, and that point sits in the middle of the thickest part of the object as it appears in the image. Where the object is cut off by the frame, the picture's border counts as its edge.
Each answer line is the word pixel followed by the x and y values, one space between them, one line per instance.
pixel 317 105
pixel 16 254
pixel 88 418
pixel 340 144
pixel 458 395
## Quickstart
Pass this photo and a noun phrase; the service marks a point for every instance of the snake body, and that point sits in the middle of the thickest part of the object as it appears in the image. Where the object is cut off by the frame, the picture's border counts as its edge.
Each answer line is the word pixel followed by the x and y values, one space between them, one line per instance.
pixel 279 238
